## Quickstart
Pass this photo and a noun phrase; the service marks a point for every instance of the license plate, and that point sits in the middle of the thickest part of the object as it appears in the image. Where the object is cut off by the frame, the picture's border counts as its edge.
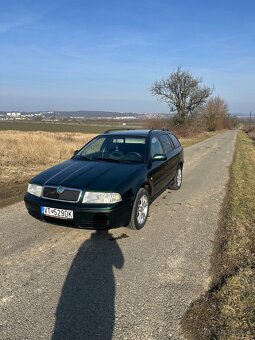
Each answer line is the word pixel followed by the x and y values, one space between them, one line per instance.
pixel 58 213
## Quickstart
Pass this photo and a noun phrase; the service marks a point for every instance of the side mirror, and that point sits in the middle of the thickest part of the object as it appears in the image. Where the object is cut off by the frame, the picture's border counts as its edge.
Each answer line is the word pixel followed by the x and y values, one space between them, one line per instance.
pixel 75 152
pixel 159 157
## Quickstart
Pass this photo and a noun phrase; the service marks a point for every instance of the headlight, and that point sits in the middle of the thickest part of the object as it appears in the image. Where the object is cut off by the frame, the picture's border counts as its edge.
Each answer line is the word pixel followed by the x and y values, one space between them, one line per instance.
pixel 34 189
pixel 101 197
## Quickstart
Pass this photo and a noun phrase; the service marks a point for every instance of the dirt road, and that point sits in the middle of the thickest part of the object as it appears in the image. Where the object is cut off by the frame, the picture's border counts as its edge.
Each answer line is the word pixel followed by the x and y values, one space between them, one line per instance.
pixel 63 283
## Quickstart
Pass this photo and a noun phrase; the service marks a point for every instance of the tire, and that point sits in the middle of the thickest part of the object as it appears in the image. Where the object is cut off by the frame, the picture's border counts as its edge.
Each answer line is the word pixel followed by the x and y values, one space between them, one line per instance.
pixel 142 202
pixel 177 182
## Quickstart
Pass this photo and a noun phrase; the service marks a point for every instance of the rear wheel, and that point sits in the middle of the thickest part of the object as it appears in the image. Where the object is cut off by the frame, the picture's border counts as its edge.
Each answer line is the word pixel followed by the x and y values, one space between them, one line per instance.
pixel 177 183
pixel 140 209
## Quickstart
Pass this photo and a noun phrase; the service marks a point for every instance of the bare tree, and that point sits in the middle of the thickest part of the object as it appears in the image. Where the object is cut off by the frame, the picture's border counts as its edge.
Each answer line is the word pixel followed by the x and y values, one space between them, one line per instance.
pixel 216 114
pixel 182 92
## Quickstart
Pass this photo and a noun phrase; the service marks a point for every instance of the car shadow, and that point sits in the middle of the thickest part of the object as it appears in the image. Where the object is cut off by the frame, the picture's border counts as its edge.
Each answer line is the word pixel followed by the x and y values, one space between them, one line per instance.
pixel 86 307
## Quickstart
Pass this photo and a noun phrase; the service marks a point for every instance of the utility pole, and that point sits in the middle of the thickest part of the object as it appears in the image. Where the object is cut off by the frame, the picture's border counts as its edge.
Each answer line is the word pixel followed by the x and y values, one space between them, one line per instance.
pixel 250 119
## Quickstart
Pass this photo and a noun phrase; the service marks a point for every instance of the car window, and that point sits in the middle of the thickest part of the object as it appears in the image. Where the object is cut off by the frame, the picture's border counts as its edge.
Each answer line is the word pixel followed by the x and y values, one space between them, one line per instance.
pixel 92 148
pixel 129 149
pixel 129 140
pixel 126 149
pixel 156 147
pixel 175 141
pixel 167 143
pixel 118 140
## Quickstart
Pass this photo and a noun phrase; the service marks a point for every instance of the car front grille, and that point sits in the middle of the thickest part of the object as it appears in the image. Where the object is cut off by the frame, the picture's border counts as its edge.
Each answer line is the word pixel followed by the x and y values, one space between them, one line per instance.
pixel 66 194
pixel 93 221
pixel 93 225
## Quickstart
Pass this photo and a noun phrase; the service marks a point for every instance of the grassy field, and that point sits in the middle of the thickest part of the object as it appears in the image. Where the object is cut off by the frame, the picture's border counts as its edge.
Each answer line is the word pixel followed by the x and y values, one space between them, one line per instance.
pixel 83 127
pixel 22 154
pixel 227 311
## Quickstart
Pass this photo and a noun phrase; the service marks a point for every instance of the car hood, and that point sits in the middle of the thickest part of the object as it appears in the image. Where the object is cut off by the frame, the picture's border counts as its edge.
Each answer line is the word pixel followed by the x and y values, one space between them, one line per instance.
pixel 89 175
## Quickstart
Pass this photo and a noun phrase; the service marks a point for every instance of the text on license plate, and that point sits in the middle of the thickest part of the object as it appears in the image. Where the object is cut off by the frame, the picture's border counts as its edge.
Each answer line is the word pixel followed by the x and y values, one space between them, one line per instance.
pixel 58 213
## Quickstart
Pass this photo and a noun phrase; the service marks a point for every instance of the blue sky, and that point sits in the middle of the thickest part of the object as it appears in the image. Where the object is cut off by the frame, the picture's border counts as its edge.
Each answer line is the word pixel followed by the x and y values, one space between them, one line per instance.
pixel 104 55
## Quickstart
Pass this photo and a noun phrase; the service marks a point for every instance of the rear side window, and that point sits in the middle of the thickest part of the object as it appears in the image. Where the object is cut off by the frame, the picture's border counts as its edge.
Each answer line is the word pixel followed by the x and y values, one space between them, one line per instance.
pixel 175 141
pixel 167 143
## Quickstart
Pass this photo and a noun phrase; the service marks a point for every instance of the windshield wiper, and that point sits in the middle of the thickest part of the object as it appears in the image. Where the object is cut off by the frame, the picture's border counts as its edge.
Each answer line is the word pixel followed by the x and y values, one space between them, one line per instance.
pixel 84 157
pixel 110 159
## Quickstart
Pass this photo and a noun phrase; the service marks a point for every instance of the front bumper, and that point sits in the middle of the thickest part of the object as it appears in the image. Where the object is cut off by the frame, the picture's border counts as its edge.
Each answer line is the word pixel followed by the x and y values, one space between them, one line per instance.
pixel 88 216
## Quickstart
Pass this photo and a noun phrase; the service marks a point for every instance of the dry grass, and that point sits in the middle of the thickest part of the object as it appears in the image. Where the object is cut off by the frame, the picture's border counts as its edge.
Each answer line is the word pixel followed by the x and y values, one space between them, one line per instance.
pixel 236 297
pixel 196 139
pixel 250 129
pixel 227 310
pixel 23 154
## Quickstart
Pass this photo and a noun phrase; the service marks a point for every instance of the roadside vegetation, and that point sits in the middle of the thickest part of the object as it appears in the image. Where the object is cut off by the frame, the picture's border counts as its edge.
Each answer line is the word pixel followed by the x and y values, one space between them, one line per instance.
pixel 188 141
pixel 195 129
pixel 227 310
pixel 193 111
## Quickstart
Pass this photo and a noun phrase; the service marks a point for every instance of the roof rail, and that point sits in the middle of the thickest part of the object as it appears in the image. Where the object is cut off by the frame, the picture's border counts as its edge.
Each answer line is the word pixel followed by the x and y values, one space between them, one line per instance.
pixel 162 129
pixel 121 129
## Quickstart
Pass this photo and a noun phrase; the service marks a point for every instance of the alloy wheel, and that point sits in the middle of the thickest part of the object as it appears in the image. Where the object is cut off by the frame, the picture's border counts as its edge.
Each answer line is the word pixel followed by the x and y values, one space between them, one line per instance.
pixel 179 177
pixel 142 209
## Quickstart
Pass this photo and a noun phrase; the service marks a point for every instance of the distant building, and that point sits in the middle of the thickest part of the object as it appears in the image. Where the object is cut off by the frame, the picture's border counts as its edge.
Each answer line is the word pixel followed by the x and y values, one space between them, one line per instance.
pixel 13 114
pixel 124 117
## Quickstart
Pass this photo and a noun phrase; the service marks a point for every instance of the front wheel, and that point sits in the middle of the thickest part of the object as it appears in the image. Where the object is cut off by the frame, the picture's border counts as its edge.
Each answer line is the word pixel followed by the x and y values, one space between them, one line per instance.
pixel 140 209
pixel 177 183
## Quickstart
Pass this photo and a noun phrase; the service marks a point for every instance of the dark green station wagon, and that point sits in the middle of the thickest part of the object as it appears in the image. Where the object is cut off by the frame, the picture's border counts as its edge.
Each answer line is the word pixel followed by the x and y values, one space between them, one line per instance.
pixel 110 182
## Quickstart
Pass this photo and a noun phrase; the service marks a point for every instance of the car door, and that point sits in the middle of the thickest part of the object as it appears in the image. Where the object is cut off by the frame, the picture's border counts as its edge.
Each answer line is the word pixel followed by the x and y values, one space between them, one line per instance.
pixel 172 156
pixel 158 171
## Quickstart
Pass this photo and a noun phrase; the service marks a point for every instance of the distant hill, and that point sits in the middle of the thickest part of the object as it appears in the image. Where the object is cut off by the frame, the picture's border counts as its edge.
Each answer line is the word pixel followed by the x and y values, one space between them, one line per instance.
pixel 241 114
pixel 87 114
pixel 90 114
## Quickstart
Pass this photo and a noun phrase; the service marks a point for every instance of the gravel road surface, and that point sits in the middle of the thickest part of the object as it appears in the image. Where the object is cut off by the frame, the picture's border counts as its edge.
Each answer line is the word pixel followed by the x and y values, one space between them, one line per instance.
pixel 63 283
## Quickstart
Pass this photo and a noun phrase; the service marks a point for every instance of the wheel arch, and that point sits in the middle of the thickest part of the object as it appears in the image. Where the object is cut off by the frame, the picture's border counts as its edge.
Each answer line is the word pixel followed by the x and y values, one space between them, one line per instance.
pixel 148 187
pixel 142 183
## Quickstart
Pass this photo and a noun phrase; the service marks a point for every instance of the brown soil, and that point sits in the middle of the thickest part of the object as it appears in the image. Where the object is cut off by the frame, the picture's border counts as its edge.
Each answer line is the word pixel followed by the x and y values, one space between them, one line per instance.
pixel 10 194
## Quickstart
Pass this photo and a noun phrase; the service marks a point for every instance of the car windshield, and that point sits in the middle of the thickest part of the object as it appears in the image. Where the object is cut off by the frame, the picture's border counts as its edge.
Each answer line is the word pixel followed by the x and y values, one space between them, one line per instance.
pixel 114 148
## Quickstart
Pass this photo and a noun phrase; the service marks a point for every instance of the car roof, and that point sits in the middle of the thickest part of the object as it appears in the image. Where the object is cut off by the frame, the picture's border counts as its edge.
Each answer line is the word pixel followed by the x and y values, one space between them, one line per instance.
pixel 141 133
